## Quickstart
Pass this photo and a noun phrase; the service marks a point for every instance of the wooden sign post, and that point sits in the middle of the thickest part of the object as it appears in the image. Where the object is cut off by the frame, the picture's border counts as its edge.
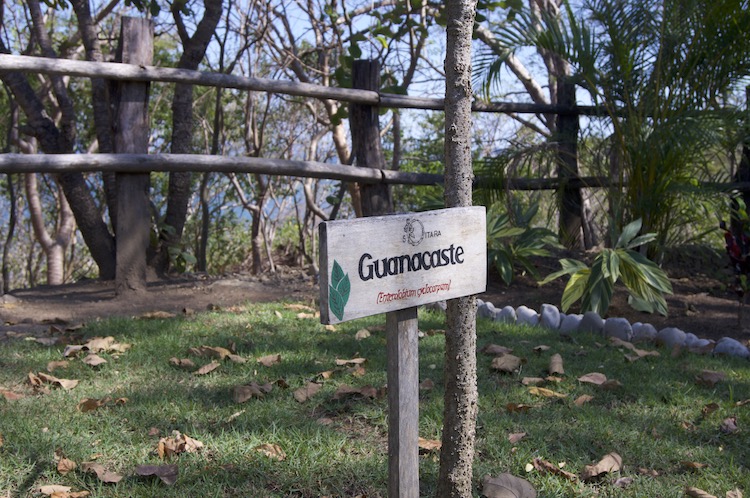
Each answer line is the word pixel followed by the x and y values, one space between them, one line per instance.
pixel 392 264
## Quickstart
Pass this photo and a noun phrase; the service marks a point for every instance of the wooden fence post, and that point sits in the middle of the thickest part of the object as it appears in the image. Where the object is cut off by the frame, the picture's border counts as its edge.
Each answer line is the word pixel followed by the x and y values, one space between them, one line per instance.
pixel 131 137
pixel 366 146
pixel 571 203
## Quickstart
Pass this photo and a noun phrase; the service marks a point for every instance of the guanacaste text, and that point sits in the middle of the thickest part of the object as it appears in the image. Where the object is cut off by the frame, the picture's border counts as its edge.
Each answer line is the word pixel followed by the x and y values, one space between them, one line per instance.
pixel 370 267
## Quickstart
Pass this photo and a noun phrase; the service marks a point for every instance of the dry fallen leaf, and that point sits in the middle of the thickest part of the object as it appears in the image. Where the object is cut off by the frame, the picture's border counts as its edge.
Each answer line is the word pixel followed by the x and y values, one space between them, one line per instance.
pixel 532 381
pixel 362 334
pixel 308 316
pixel 697 493
pixel 541 348
pixel 429 445
pixel 729 425
pixel 273 451
pixel 10 395
pixel 556 365
pixel 270 360
pixel 51 489
pixel 547 393
pixel 64 383
pixel 648 472
pixel 742 403
pixel 236 358
pixel 710 378
pixel 506 363
pixel 709 409
pixel 167 473
pixel 516 437
pixel 205 369
pixel 595 378
pixel 507 486
pixel 517 408
pixel 623 482
pixel 182 362
pixel 91 404
pixel 611 385
pixel 66 465
pixel 346 391
pixel 582 399
pixel 353 361
pixel 612 462
pixel 94 360
pixel 176 444
pixel 304 393
pixel 102 474
pixel 154 315
pixel 495 350
pixel 426 385
pixel 735 493
pixel 240 394
pixel 216 352
pixel 54 365
pixel 545 466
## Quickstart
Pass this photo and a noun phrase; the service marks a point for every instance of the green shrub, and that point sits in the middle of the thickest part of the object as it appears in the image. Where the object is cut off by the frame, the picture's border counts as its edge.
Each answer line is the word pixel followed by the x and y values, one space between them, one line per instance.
pixel 645 281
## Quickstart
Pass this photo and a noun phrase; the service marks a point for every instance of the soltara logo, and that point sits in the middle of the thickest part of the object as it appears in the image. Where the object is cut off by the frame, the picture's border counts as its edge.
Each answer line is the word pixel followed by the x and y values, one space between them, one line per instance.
pixel 338 290
pixel 413 232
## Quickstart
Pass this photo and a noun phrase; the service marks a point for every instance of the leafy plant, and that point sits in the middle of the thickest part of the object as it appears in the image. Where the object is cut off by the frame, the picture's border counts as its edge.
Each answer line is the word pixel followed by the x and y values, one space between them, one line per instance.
pixel 512 241
pixel 594 286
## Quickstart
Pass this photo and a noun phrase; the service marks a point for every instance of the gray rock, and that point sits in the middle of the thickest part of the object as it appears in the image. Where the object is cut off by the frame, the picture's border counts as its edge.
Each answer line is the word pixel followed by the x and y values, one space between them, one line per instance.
pixel 570 324
pixel 618 327
pixel 691 339
pixel 437 306
pixel 702 343
pixel 506 315
pixel 549 317
pixel 643 332
pixel 527 316
pixel 485 310
pixel 670 337
pixel 731 347
pixel 8 299
pixel 591 322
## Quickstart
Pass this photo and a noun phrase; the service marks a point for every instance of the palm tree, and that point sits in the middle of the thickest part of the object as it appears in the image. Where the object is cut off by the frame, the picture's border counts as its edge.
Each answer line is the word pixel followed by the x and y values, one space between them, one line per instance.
pixel 661 71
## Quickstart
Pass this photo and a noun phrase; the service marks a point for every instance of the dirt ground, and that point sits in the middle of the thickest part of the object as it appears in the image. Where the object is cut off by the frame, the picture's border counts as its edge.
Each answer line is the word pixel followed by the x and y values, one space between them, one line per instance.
pixel 701 303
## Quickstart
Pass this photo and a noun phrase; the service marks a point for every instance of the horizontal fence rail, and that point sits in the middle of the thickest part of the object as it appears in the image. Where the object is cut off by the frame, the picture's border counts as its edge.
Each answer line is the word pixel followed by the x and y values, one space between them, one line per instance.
pixel 133 72
pixel 143 163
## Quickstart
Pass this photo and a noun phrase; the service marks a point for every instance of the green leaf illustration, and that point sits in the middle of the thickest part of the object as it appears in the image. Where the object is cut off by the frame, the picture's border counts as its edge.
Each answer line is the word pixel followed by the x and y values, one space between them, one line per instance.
pixel 338 290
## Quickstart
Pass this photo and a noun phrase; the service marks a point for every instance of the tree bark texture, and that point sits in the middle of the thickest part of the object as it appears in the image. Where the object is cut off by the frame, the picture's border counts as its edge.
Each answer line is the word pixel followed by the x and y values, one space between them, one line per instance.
pixel 179 190
pixel 571 201
pixel 132 130
pixel 459 423
pixel 366 144
pixel 54 246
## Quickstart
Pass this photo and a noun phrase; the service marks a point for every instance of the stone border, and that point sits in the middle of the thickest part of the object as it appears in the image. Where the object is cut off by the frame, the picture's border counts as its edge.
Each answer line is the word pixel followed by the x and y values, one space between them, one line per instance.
pixel 551 318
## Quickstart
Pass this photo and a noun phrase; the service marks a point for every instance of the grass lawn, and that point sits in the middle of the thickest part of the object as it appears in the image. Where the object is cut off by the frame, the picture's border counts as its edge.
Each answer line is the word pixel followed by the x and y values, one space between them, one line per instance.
pixel 671 429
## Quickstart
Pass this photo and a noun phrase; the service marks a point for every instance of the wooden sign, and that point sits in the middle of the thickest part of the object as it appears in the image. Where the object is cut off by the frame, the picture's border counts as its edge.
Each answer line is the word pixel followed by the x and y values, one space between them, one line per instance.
pixel 386 263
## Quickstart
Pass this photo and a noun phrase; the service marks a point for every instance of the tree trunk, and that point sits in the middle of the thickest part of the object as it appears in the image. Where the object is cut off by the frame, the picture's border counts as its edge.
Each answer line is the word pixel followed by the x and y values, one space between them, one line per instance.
pixel 12 221
pixel 366 143
pixel 570 202
pixel 257 224
pixel 133 215
pixel 459 424
pixel 53 246
pixel 194 49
